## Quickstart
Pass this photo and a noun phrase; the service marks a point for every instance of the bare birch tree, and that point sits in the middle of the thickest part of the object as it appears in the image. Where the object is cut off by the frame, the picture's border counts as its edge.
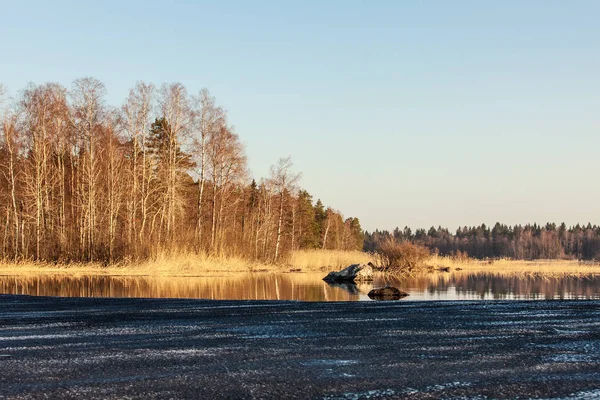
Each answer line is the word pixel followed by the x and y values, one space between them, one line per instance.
pixel 87 101
pixel 208 120
pixel 175 110
pixel 44 119
pixel 10 172
pixel 227 166
pixel 283 180
pixel 136 123
pixel 113 172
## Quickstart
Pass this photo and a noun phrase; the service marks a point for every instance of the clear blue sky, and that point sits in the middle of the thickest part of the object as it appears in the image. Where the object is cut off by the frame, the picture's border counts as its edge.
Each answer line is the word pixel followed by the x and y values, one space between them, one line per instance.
pixel 411 113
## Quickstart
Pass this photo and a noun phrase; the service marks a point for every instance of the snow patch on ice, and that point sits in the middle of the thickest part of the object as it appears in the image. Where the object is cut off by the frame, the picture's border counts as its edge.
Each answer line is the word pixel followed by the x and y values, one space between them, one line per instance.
pixel 572 358
pixel 369 394
pixel 586 394
pixel 328 362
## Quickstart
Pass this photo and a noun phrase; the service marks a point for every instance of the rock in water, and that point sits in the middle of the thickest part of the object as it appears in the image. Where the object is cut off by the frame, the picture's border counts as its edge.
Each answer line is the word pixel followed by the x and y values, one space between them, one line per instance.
pixel 387 293
pixel 353 273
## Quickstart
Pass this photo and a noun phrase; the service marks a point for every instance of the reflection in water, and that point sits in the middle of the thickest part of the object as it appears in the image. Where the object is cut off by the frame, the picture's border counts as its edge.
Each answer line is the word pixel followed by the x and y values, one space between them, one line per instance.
pixel 489 286
pixel 305 287
pixel 234 287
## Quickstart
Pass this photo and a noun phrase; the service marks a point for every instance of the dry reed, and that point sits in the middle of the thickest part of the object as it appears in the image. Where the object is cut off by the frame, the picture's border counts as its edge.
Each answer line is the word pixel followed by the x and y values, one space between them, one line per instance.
pixel 517 267
pixel 190 264
pixel 315 260
pixel 162 265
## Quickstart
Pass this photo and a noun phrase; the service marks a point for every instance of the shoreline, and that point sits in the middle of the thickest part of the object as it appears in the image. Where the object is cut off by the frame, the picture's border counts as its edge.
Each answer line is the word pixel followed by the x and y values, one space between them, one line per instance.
pixel 507 268
pixel 304 261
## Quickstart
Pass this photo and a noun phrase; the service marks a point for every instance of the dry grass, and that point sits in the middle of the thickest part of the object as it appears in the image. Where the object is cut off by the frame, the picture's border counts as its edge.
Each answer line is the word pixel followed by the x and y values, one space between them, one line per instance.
pixel 193 265
pixel 402 256
pixel 305 261
pixel 163 265
pixel 518 267
pixel 315 260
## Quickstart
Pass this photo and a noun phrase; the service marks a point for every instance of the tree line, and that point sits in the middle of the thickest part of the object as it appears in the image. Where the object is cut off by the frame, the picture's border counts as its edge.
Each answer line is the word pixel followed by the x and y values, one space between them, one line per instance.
pixel 84 181
pixel 527 242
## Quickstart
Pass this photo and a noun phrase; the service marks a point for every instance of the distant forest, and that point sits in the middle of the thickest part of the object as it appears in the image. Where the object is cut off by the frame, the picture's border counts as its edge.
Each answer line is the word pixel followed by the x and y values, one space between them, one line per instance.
pixel 527 242
pixel 165 171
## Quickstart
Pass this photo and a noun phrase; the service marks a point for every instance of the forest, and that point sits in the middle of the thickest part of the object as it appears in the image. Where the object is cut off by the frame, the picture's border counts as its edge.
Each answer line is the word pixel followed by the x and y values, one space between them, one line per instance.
pixel 527 242
pixel 82 181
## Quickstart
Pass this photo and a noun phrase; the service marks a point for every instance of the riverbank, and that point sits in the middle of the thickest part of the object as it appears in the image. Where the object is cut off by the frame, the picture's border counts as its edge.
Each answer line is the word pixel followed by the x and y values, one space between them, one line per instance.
pixel 305 261
pixel 189 264
pixel 518 267
pixel 120 348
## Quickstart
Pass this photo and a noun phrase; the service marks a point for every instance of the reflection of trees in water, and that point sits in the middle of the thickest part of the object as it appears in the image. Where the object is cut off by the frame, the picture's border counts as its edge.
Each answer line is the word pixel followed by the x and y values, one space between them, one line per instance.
pixel 307 287
pixel 529 286
pixel 242 287
pixel 504 286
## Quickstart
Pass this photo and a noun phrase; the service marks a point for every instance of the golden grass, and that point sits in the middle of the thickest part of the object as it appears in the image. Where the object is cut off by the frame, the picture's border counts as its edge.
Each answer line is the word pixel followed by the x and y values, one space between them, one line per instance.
pixel 162 265
pixel 518 267
pixel 305 261
pixel 314 260
pixel 190 264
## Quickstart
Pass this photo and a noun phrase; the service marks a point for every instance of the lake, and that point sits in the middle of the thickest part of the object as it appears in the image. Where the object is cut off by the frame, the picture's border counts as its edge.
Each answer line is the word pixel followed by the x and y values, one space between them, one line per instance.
pixel 307 287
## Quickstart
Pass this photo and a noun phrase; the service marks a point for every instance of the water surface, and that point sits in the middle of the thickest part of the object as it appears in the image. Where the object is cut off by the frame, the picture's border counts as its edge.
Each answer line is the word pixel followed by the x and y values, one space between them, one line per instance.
pixel 306 287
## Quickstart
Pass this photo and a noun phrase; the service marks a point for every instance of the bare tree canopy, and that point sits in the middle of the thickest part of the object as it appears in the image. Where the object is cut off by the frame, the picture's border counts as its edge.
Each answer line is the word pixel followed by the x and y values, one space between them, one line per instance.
pixel 283 181
pixel 81 180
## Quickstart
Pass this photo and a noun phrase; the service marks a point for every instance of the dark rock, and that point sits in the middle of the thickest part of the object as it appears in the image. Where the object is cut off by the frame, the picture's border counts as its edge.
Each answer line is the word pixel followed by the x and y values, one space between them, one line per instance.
pixel 387 293
pixel 444 269
pixel 353 273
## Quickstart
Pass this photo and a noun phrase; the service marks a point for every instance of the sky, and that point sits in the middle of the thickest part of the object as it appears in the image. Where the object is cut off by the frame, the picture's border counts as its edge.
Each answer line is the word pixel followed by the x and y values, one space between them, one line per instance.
pixel 417 113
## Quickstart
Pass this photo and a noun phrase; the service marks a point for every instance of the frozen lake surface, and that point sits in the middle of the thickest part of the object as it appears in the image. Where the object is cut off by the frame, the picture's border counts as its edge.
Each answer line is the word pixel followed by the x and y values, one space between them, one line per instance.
pixel 93 348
